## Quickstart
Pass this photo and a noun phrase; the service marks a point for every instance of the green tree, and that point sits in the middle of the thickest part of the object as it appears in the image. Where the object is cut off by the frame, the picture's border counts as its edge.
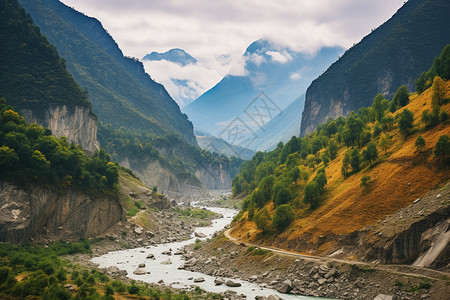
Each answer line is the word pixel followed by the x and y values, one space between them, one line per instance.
pixel 311 194
pixel 257 197
pixel 420 145
pixel 370 153
pixel 401 97
pixel 365 180
pixel 283 196
pixel 345 164
pixel 332 149
pixel 442 147
pixel 443 116
pixel 295 175
pixel 439 90
pixel 265 186
pixel 263 219
pixel 405 123
pixel 8 158
pixel 385 143
pixel 426 118
pixel 282 218
pixel 378 106
pixel 355 159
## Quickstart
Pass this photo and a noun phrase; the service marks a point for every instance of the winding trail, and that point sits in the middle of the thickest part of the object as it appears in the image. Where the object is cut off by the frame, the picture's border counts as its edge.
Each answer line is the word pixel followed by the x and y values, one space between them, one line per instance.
pixel 437 275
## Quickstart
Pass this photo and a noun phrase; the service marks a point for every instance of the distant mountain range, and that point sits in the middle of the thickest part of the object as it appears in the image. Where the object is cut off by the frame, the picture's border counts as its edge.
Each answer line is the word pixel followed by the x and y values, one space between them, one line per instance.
pixel 175 55
pixel 392 55
pixel 274 76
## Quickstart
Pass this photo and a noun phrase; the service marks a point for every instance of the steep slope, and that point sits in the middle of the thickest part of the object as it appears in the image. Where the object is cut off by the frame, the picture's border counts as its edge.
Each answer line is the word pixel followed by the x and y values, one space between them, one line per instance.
pixel 122 94
pixel 34 79
pixel 279 72
pixel 140 125
pixel 399 177
pixel 213 144
pixel 385 59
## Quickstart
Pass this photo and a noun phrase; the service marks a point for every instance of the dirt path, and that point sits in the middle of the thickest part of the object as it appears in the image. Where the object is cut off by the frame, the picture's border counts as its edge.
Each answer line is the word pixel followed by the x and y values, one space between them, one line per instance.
pixel 418 271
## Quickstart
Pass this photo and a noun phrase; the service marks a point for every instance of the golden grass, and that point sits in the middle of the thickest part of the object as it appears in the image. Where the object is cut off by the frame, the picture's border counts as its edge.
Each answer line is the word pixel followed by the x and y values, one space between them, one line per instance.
pixel 398 178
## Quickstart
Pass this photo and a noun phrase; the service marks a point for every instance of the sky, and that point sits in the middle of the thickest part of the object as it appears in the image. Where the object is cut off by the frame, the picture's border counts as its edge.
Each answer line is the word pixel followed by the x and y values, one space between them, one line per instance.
pixel 217 32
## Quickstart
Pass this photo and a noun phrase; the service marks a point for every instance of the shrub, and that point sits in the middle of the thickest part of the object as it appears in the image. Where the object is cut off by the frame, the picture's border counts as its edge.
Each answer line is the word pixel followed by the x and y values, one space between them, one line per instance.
pixel 282 217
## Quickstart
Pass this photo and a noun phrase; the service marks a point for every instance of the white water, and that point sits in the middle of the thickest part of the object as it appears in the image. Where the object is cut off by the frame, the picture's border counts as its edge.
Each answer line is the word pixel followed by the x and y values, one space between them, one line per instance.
pixel 130 259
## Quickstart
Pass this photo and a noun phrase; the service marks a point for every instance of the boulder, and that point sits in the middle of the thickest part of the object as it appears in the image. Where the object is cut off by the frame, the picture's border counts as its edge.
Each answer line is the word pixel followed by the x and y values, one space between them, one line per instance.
pixel 231 283
pixel 150 256
pixel 199 235
pixel 139 271
pixel 199 279
pixel 218 281
pixel 142 265
pixel 285 287
pixel 167 252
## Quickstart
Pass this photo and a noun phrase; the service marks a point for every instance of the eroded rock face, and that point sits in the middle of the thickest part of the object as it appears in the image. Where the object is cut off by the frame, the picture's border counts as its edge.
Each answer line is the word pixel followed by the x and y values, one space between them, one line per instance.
pixel 38 213
pixel 79 124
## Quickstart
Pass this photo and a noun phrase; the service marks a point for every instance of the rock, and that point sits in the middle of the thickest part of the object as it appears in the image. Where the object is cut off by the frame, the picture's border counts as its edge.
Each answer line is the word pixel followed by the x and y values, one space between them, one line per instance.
pixel 274 297
pixel 150 256
pixel 141 265
pixel 218 281
pixel 231 283
pixel 438 196
pixel 274 282
pixel 199 279
pixel 285 287
pixel 199 235
pixel 178 252
pixel 138 230
pixel 383 297
pixel 167 252
pixel 166 262
pixel 161 281
pixel 139 271
pixel 321 281
pixel 417 200
pixel 253 278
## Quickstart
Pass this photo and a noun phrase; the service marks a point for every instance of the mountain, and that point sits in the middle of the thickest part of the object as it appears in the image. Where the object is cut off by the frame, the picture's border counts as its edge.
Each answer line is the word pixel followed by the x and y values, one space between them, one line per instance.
pixel 121 93
pixel 140 125
pixel 175 55
pixel 392 55
pixel 278 72
pixel 34 80
pixel 281 128
pixel 213 144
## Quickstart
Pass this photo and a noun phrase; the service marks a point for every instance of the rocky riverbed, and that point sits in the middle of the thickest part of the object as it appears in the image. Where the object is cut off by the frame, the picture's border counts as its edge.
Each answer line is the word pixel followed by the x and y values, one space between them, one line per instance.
pixel 311 277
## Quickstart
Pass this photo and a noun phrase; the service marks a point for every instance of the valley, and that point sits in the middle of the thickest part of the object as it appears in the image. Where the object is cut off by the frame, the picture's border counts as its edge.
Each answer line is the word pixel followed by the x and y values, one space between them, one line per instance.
pixel 316 166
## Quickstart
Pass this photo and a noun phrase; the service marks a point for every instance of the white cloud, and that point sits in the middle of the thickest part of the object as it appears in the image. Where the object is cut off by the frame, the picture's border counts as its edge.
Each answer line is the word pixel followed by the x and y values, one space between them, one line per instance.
pixel 279 57
pixel 217 32
pixel 255 58
pixel 295 75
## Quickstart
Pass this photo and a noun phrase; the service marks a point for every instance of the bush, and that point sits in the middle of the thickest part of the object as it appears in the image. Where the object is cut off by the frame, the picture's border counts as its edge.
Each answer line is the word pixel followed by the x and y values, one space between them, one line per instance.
pixel 282 218
pixel 262 220
pixel 133 289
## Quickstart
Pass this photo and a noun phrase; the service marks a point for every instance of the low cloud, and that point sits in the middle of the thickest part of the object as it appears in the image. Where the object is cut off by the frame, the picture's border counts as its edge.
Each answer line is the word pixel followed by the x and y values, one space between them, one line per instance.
pixel 217 32
pixel 279 57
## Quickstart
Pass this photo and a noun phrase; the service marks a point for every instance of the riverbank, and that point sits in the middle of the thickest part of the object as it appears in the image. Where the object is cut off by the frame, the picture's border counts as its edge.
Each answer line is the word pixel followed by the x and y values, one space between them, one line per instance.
pixel 312 277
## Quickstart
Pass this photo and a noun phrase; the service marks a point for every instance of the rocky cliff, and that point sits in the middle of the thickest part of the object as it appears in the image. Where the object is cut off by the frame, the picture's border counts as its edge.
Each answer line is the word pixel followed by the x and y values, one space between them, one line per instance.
pixel 79 124
pixel 39 213
pixel 392 55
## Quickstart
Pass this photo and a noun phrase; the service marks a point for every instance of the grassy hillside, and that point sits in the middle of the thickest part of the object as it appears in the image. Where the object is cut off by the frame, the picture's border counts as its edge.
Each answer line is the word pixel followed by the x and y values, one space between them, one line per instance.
pixel 385 59
pixel 342 204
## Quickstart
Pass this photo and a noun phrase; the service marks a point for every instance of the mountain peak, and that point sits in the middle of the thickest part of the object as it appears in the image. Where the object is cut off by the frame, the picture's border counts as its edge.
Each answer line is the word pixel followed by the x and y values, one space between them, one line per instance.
pixel 176 55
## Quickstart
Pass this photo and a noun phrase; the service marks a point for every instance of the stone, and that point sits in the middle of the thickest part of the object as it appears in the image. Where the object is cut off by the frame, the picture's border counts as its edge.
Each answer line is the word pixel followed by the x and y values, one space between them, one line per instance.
pixel 178 252
pixel 166 262
pixel 321 281
pixel 70 287
pixel 150 256
pixel 218 281
pixel 199 279
pixel 199 235
pixel 285 288
pixel 167 252
pixel 274 297
pixel 253 278
pixel 138 230
pixel 231 283
pixel 142 265
pixel 161 281
pixel 139 271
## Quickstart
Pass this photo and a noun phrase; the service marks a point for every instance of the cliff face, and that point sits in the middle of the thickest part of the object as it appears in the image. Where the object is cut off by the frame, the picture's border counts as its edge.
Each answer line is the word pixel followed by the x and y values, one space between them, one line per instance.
pixel 394 54
pixel 215 177
pixel 79 124
pixel 40 213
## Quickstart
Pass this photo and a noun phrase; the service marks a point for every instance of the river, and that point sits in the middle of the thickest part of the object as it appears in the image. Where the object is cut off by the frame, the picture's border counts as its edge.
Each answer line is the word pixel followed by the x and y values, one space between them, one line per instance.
pixel 158 268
